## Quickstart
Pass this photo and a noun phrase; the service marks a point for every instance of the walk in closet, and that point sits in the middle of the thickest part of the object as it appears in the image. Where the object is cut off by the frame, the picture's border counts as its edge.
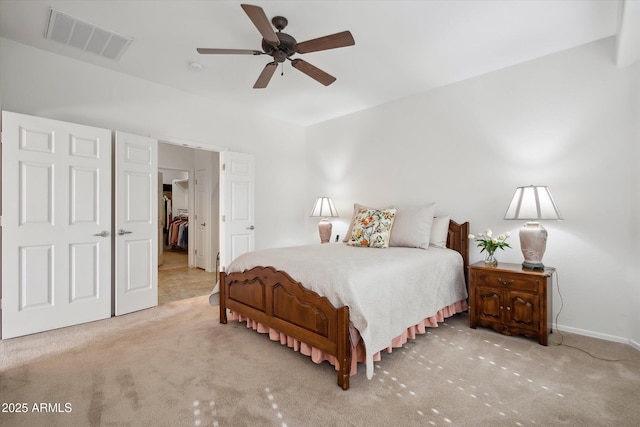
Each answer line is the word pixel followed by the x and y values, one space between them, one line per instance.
pixel 174 211
pixel 188 226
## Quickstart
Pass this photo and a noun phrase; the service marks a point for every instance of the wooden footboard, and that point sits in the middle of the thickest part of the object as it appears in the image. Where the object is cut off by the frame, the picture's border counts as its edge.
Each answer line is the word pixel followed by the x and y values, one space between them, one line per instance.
pixel 274 299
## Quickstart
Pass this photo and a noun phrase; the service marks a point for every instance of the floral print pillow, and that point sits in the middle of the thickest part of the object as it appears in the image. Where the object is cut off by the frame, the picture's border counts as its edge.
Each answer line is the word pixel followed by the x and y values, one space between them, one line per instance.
pixel 372 228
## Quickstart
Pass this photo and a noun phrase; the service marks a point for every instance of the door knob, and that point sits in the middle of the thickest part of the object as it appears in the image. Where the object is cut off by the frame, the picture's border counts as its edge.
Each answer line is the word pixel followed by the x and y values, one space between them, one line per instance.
pixel 251 228
pixel 203 224
pixel 121 232
pixel 103 233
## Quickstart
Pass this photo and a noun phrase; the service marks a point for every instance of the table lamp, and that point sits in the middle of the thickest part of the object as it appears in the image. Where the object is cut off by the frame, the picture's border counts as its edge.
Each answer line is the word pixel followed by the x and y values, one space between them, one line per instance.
pixel 532 203
pixel 324 208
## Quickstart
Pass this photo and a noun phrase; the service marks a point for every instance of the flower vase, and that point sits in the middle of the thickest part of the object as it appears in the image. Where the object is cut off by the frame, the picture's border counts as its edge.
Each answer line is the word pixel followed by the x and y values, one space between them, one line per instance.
pixel 490 259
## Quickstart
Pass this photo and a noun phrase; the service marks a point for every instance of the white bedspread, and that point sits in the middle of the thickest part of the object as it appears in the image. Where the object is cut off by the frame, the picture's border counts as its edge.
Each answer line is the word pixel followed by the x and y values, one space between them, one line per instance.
pixel 387 290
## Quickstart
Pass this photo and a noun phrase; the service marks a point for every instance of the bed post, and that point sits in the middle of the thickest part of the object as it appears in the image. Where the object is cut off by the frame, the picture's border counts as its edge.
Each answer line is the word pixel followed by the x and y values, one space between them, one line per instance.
pixel 344 348
pixel 223 297
pixel 464 236
pixel 458 240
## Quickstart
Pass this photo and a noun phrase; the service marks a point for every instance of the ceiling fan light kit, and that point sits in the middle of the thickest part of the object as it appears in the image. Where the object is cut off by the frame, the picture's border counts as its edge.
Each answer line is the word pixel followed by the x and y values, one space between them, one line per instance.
pixel 281 47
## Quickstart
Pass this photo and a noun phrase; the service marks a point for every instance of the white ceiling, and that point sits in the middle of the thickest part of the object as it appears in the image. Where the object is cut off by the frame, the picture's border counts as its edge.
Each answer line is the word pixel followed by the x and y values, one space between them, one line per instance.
pixel 402 47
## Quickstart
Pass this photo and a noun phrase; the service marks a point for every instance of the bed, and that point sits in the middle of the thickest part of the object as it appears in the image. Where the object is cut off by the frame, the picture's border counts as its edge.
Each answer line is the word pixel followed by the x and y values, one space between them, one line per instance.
pixel 274 293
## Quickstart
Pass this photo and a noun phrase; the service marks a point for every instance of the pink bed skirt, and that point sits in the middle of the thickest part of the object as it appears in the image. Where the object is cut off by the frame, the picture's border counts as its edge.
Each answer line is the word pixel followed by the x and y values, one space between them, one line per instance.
pixel 358 350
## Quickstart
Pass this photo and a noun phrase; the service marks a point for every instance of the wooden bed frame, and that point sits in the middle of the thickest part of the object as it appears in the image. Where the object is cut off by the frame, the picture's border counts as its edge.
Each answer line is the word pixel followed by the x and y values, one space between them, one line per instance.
pixel 276 300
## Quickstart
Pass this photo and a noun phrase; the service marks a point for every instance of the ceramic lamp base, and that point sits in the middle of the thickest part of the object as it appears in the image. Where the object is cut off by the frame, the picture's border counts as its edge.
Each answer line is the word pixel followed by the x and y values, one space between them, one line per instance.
pixel 324 229
pixel 533 243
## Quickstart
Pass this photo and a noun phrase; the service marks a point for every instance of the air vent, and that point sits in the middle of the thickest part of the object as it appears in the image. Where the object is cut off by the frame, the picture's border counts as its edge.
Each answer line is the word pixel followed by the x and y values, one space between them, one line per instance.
pixel 72 31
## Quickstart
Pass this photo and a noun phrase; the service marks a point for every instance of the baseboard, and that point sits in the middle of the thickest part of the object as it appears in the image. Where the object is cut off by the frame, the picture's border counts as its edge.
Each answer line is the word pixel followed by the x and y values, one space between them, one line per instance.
pixel 599 335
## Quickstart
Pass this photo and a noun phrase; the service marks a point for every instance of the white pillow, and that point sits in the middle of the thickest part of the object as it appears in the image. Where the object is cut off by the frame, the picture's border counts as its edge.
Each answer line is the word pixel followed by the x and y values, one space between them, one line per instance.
pixel 439 231
pixel 412 226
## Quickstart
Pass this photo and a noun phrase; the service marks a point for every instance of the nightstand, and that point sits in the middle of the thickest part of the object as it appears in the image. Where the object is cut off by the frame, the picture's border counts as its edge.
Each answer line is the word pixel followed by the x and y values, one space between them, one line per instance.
pixel 512 300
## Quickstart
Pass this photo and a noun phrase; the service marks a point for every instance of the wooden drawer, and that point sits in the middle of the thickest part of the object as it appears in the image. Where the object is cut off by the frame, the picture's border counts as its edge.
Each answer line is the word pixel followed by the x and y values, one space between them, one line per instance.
pixel 507 280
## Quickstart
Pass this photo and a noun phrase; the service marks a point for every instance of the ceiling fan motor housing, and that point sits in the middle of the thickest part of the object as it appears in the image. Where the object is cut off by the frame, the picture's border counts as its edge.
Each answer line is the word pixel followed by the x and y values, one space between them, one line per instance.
pixel 281 52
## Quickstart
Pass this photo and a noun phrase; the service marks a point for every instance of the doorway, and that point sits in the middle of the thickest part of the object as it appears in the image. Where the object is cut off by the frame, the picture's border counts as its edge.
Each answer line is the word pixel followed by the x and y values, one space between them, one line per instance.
pixel 188 229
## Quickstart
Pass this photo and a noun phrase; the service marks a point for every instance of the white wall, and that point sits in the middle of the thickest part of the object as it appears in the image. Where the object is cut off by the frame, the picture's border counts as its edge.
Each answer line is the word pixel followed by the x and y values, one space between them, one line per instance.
pixel 176 157
pixel 43 84
pixel 568 121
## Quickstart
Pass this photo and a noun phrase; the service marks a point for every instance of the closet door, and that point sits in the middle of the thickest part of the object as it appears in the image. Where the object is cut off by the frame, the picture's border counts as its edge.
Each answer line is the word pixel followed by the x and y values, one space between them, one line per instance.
pixel 237 183
pixel 56 223
pixel 136 223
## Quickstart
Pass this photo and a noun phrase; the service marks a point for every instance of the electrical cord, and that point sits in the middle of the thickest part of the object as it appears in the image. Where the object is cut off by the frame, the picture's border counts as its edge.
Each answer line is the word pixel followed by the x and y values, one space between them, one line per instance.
pixel 557 280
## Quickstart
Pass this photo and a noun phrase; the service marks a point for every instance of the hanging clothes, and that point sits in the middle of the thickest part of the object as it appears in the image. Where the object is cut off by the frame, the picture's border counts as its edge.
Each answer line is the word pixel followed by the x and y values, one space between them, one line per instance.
pixel 178 232
pixel 183 235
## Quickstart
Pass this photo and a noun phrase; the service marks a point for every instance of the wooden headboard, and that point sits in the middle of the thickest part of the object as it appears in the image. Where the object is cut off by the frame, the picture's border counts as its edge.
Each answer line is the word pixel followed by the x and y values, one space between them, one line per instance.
pixel 458 240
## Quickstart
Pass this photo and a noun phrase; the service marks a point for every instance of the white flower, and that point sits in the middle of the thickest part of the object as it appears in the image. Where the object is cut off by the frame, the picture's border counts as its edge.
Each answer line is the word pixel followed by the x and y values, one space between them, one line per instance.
pixel 508 234
pixel 489 243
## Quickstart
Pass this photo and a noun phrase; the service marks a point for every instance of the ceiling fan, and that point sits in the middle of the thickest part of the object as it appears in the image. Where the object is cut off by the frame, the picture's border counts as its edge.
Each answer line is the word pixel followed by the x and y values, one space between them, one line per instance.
pixel 282 47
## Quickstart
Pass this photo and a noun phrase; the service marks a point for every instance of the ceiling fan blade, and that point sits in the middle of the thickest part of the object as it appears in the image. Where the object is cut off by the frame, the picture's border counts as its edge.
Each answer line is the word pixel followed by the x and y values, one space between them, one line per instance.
pixel 327 42
pixel 260 20
pixel 313 72
pixel 208 51
pixel 265 75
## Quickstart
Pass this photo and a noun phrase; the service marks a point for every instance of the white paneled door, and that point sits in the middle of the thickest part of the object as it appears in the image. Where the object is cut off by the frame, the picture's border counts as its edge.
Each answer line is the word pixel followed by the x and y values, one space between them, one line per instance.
pixel 56 224
pixel 136 223
pixel 237 181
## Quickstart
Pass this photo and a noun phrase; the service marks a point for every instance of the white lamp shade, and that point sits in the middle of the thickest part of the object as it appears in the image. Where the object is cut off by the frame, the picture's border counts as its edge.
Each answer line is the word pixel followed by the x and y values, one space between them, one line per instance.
pixel 532 203
pixel 324 208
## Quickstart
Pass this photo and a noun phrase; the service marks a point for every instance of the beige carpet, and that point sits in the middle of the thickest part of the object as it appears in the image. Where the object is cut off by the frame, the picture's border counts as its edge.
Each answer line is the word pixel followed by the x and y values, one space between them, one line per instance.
pixel 174 365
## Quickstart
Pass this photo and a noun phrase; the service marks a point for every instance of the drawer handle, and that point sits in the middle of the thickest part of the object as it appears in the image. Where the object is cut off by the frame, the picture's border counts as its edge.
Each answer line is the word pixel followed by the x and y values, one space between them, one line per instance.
pixel 505 282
